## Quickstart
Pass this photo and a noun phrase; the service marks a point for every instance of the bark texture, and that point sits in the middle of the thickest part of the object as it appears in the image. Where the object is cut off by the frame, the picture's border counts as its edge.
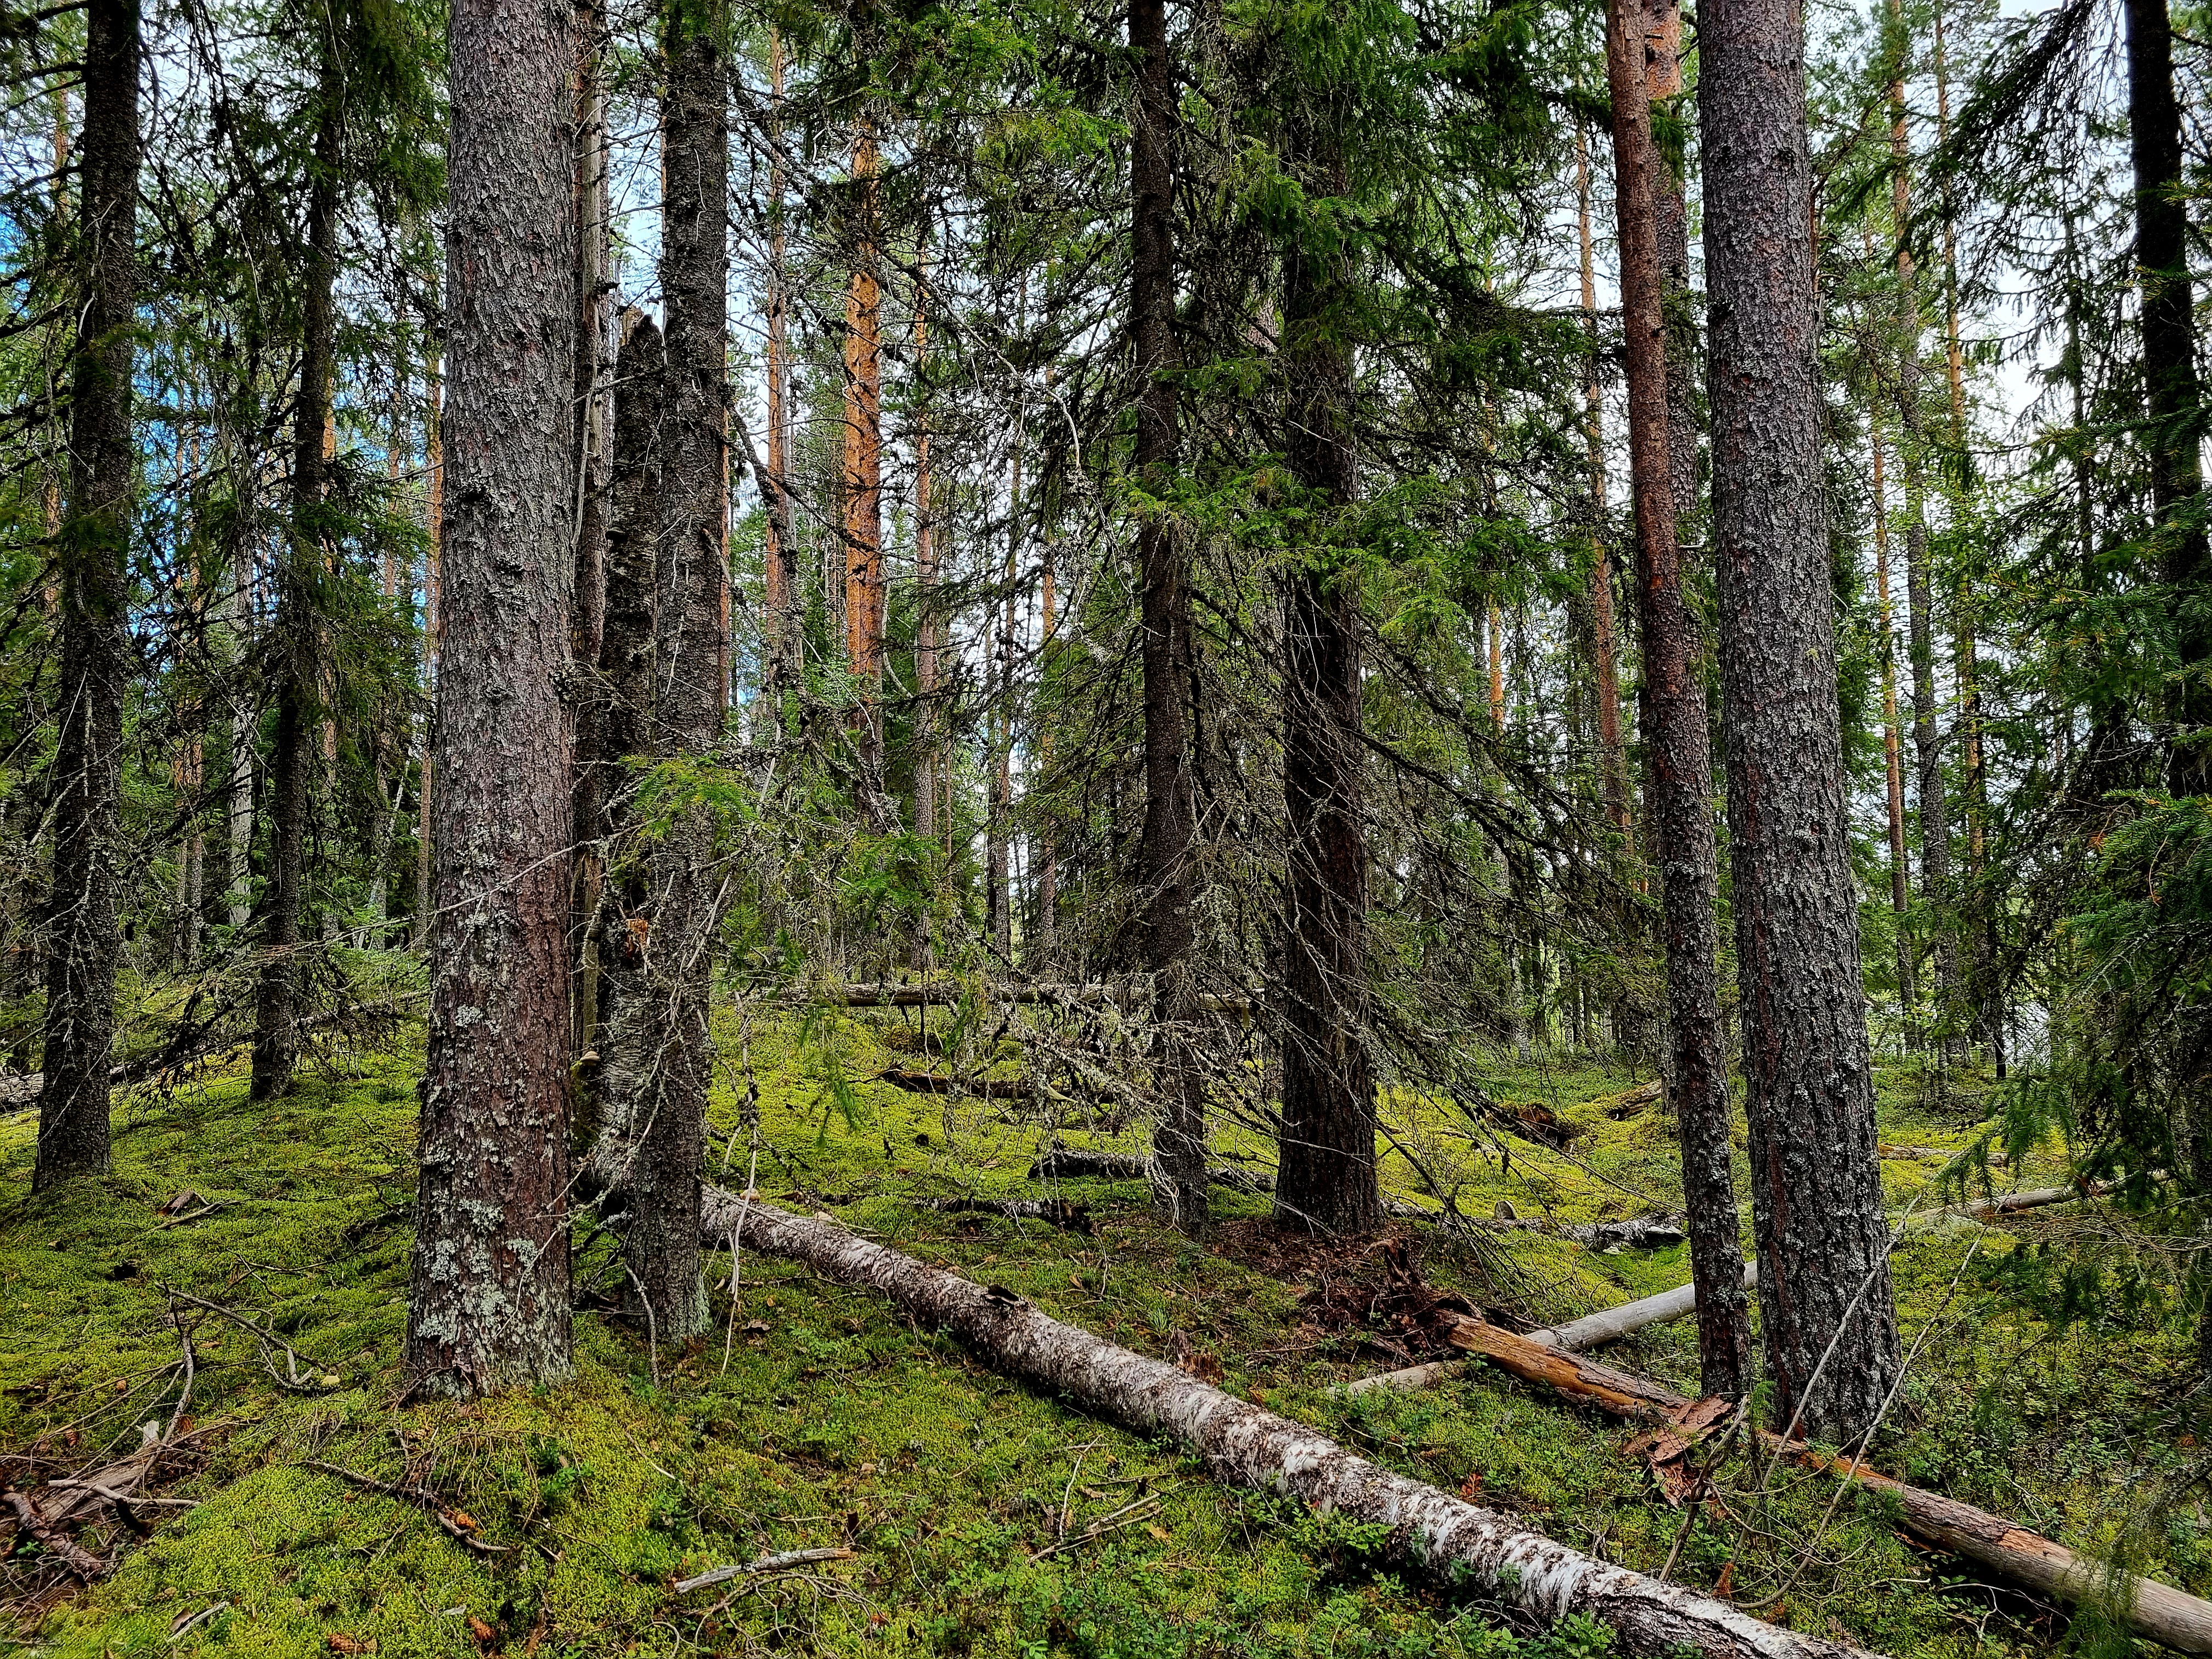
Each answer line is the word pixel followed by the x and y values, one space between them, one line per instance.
pixel 2177 424
pixel 1325 1175
pixel 863 478
pixel 667 1115
pixel 1816 1185
pixel 1251 1446
pixel 1170 807
pixel 488 1301
pixel 1681 758
pixel 588 465
pixel 298 628
pixel 94 560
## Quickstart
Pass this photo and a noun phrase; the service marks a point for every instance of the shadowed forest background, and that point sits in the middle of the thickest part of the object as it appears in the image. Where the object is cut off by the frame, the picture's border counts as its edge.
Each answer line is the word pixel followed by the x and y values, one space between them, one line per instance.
pixel 810 812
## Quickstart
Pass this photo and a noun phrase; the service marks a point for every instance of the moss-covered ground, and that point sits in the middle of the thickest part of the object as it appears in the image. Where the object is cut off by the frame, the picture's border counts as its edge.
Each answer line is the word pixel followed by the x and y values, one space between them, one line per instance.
pixel 816 1418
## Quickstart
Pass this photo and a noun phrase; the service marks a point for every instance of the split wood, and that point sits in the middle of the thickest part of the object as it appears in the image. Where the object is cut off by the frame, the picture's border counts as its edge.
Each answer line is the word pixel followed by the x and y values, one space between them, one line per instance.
pixel 783 1562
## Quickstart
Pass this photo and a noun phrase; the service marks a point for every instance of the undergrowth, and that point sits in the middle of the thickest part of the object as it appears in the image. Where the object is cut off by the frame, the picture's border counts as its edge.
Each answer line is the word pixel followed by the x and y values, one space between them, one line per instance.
pixel 982 1517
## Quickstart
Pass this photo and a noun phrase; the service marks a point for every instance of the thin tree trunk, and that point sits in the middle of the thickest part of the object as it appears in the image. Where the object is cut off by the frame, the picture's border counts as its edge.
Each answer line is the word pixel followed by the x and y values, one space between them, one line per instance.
pixel 1919 598
pixel 238 805
pixel 1326 1177
pixel 2169 336
pixel 1900 894
pixel 588 470
pixel 434 442
pixel 863 479
pixel 779 573
pixel 488 1305
pixel 300 667
pixel 1039 950
pixel 1682 773
pixel 926 575
pixel 1166 853
pixel 1613 760
pixel 1816 1186
pixel 668 1120
pixel 93 554
pixel 999 828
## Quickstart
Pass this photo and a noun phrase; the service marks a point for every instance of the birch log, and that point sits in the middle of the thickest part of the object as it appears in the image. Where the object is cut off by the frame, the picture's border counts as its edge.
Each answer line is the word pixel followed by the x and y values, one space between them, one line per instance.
pixel 2154 1610
pixel 1251 1446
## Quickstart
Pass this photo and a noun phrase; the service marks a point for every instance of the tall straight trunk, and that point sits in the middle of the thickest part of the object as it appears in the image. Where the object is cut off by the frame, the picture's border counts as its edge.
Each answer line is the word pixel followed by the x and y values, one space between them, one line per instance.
pixel 1326 1179
pixel 238 898
pixel 780 573
pixel 389 788
pixel 1919 596
pixel 2177 425
pixel 999 828
pixel 927 576
pixel 1987 995
pixel 588 472
pixel 1167 852
pixel 433 444
pixel 1816 1187
pixel 1681 771
pixel 668 1121
pixel 93 554
pixel 626 1016
pixel 1900 893
pixel 863 478
pixel 1046 940
pixel 1613 760
pixel 1496 635
pixel 1670 218
pixel 299 663
pixel 489 1297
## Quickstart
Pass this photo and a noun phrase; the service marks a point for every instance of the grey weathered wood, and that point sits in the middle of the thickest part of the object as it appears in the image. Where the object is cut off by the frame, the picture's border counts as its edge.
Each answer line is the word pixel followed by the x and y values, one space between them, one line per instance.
pixel 1253 1447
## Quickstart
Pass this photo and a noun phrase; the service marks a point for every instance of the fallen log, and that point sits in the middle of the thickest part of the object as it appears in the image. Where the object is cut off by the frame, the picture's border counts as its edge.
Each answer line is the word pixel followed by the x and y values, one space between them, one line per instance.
pixel 2154 1610
pixel 1253 1447
pixel 1071 1164
pixel 947 993
pixel 1610 1324
pixel 1071 1216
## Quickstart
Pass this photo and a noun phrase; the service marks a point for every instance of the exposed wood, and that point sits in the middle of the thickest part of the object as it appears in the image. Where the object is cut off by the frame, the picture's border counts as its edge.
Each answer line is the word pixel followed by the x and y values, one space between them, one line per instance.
pixel 783 1561
pixel 81 1561
pixel 2155 1610
pixel 1252 1447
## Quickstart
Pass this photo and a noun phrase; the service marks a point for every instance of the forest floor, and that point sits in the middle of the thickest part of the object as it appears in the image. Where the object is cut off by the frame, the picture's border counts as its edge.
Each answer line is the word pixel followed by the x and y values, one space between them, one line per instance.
pixel 816 1418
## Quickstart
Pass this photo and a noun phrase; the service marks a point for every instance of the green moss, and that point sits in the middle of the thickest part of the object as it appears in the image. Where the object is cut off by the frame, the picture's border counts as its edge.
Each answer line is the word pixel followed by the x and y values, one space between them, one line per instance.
pixel 833 1423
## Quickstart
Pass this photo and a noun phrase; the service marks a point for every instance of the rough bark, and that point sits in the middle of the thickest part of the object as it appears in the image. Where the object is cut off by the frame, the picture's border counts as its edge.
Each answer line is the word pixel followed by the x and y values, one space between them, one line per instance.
pixel 588 469
pixel 928 626
pixel 426 794
pixel 863 478
pixel 92 556
pixel 668 1117
pixel 1681 758
pixel 1170 809
pixel 488 1300
pixel 1612 760
pixel 1816 1184
pixel 299 665
pixel 1325 1177
pixel 2152 1609
pixel 2170 387
pixel 1249 1446
pixel 780 573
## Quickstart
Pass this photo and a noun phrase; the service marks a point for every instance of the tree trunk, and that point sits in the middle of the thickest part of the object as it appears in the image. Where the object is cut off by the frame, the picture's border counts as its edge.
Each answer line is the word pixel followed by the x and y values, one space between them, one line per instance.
pixel 2177 425
pixel 588 470
pixel 625 692
pixel 780 573
pixel 299 578
pixel 1612 760
pixel 1892 748
pixel 863 480
pixel 1326 1178
pixel 1816 1186
pixel 1681 770
pixel 1165 854
pixel 667 1118
pixel 238 898
pixel 1919 597
pixel 1251 1446
pixel 488 1296
pixel 926 622
pixel 93 553
pixel 433 443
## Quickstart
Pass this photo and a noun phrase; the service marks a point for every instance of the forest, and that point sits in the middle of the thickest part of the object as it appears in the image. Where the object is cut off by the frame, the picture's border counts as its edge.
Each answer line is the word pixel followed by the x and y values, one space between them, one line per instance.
pixel 1105 829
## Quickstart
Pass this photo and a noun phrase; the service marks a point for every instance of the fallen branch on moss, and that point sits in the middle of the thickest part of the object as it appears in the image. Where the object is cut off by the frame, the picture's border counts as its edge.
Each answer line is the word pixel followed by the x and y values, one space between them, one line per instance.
pixel 784 1561
pixel 457 1524
pixel 1071 1164
pixel 1071 1216
pixel 58 1544
pixel 1252 1447
pixel 2152 1609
